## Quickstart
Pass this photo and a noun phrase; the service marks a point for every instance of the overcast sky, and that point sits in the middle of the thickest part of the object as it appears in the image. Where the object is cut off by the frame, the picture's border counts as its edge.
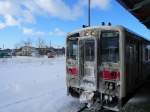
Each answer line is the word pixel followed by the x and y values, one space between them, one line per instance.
pixel 52 19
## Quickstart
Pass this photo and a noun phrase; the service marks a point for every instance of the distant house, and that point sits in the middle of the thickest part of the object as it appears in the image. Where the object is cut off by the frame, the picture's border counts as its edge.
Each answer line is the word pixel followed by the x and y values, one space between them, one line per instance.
pixel 26 51
pixel 16 52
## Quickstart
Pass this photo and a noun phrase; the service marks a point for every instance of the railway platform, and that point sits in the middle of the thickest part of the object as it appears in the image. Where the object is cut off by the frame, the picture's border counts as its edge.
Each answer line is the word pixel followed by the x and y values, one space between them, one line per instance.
pixel 140 102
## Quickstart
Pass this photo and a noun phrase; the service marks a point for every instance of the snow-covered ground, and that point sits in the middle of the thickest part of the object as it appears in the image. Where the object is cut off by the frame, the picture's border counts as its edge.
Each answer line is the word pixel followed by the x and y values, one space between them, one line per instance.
pixel 34 85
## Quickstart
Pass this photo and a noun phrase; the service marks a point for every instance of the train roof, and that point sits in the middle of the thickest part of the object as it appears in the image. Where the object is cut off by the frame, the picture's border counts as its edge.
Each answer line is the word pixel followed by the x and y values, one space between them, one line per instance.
pixel 92 27
pixel 138 36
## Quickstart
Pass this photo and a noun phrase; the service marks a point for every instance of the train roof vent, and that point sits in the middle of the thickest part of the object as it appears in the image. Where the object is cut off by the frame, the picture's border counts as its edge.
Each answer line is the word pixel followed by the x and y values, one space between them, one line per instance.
pixel 84 26
pixel 103 23
pixel 109 24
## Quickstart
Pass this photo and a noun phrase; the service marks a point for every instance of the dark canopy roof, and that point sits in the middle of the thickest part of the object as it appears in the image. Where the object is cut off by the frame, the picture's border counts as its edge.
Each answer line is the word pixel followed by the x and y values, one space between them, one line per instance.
pixel 139 8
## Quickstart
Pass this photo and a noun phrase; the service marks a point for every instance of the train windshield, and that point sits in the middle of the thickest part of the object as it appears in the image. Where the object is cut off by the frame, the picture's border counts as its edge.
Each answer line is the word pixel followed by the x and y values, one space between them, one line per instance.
pixel 110 46
pixel 72 48
pixel 87 49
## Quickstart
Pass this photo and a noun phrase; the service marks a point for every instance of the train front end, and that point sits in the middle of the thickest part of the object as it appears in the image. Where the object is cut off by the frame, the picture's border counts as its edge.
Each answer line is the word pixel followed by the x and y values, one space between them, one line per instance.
pixel 81 64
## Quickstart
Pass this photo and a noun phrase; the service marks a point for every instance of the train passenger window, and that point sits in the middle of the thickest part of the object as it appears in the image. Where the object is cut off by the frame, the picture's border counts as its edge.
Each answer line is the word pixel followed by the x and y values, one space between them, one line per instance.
pixel 148 50
pixel 72 49
pixel 147 53
pixel 131 52
pixel 110 47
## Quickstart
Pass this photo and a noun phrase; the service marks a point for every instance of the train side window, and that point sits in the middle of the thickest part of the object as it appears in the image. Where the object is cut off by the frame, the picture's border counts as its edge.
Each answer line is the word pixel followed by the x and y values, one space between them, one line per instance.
pixel 130 49
pixel 131 52
pixel 148 52
pixel 146 56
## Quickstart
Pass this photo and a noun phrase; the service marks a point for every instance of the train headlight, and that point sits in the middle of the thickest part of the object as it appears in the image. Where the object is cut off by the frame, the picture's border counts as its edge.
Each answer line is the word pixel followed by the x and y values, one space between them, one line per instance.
pixel 106 97
pixel 87 34
pixel 93 33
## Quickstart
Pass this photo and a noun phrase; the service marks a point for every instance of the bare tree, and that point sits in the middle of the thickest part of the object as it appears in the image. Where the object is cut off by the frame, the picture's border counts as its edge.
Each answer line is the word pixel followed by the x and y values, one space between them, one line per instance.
pixel 41 43
pixel 17 45
pixel 27 42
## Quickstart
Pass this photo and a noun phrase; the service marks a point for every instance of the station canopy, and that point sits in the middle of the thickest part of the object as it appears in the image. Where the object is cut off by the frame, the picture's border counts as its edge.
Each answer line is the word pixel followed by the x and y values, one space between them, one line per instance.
pixel 139 8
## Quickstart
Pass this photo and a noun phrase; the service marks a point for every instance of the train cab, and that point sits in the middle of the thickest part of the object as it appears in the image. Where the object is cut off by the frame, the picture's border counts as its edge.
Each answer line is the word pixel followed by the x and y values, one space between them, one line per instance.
pixel 83 63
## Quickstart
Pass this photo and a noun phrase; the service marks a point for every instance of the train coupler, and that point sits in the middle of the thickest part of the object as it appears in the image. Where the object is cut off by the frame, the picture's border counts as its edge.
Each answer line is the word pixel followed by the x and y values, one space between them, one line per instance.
pixel 86 97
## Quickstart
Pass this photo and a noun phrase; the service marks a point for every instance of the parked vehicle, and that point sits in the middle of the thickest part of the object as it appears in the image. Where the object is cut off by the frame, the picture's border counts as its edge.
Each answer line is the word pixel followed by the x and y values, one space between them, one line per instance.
pixel 51 55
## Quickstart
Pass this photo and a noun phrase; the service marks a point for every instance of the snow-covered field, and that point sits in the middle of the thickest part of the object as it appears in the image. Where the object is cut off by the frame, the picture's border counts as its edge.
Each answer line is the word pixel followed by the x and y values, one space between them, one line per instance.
pixel 34 85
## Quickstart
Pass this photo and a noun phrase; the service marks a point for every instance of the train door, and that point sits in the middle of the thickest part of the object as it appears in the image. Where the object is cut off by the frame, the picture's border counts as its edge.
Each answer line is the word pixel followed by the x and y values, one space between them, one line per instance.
pixel 87 60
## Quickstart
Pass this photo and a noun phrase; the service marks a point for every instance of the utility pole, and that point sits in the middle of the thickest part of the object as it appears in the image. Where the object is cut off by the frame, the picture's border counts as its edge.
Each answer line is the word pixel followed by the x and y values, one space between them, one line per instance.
pixel 3 46
pixel 50 44
pixel 89 13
